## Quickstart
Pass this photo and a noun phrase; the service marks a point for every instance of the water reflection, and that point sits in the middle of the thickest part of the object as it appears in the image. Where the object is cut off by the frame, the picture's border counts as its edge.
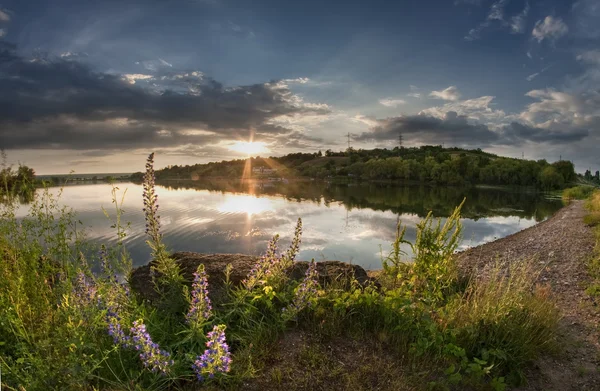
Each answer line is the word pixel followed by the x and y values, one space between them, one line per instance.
pixel 343 222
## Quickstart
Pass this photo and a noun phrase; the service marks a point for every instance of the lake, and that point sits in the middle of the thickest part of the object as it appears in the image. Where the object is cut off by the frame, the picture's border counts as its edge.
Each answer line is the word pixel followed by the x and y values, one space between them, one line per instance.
pixel 347 222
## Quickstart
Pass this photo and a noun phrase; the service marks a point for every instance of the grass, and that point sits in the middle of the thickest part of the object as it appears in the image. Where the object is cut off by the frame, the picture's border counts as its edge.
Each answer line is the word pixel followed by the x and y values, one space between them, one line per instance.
pixel 418 326
pixel 593 219
pixel 580 192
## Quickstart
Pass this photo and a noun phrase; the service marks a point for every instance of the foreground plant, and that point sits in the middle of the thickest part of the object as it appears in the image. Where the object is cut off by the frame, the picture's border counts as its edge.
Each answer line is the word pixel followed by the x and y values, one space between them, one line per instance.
pixel 152 356
pixel 216 358
pixel 200 305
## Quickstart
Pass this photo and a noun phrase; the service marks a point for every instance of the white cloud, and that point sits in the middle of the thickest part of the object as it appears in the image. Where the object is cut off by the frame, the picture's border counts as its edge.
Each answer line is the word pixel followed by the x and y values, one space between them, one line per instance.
pixel 497 10
pixel 496 13
pixel 478 109
pixel 4 16
pixel 550 28
pixel 389 102
pixel 450 93
pixel 2 33
pixel 414 95
pixel 131 78
pixel 532 76
pixel 517 24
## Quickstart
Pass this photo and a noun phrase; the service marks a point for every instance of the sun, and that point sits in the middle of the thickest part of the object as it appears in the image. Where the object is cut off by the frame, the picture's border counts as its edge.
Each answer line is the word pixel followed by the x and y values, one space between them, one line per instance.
pixel 249 147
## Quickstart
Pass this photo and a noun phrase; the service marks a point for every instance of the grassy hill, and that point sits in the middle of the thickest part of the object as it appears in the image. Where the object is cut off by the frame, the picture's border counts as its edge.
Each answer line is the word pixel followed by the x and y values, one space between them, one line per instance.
pixel 426 164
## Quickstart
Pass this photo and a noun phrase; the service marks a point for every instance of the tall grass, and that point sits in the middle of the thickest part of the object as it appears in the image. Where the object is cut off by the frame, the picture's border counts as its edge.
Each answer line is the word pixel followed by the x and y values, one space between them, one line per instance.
pixel 64 327
pixel 580 192
pixel 593 220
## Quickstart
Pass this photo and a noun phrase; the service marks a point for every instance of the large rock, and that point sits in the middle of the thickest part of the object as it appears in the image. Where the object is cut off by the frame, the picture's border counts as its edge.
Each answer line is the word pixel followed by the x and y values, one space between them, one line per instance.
pixel 330 272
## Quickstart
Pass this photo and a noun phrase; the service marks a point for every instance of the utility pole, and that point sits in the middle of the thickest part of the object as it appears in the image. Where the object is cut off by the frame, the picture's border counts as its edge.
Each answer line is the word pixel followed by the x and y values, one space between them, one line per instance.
pixel 348 140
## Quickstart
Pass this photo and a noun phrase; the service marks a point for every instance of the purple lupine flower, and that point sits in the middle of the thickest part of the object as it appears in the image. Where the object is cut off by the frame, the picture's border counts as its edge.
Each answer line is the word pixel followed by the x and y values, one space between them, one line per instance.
pixel 216 358
pixel 305 292
pixel 200 306
pixel 151 355
pixel 85 290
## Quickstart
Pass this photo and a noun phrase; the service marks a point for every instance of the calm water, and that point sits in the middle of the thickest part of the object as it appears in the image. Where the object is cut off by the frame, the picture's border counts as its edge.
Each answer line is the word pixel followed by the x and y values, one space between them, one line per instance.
pixel 344 222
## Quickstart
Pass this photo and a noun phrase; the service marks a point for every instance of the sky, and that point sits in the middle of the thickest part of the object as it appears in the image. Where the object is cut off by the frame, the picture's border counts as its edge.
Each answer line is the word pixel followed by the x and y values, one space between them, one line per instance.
pixel 94 86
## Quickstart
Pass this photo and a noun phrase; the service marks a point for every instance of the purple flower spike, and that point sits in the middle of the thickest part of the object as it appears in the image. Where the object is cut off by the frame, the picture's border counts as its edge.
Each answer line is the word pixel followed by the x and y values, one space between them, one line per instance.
pixel 200 306
pixel 216 358
pixel 154 358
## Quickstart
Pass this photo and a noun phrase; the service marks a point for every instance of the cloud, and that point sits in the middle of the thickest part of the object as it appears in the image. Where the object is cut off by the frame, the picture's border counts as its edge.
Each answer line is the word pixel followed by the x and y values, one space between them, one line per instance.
pixel 550 28
pixel 478 109
pixel 389 102
pixel 2 32
pixel 53 103
pixel 517 132
pixel 4 16
pixel 450 93
pixel 532 76
pixel 452 128
pixel 496 13
pixel 517 22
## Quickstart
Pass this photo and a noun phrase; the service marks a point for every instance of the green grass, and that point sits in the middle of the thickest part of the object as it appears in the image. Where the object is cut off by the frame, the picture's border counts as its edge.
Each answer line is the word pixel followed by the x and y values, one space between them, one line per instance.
pixel 580 192
pixel 419 327
pixel 593 219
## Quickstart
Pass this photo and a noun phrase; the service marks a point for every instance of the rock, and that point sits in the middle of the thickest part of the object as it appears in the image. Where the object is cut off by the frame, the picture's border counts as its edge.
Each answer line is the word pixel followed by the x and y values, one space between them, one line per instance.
pixel 330 272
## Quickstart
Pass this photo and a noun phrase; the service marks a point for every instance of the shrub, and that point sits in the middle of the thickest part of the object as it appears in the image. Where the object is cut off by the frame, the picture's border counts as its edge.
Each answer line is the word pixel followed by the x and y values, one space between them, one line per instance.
pixel 577 193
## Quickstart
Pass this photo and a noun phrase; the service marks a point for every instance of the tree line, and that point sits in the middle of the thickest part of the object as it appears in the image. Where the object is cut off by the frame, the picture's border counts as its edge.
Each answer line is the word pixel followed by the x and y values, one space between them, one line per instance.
pixel 426 164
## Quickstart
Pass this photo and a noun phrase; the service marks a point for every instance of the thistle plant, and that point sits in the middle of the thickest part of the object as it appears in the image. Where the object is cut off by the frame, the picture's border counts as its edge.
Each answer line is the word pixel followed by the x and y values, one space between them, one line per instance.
pixel 216 358
pixel 164 265
pixel 200 306
pixel 304 294
pixel 154 358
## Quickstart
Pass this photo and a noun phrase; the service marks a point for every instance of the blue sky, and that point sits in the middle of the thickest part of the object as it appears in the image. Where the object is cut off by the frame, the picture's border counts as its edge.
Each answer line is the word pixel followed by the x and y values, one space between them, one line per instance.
pixel 94 85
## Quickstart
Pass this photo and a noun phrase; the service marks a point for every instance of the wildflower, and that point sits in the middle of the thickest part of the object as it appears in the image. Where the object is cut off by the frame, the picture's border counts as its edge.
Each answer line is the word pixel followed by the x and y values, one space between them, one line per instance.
pixel 151 355
pixel 85 290
pixel 115 329
pixel 216 359
pixel 265 266
pixel 290 255
pixel 200 306
pixel 305 293
pixel 151 202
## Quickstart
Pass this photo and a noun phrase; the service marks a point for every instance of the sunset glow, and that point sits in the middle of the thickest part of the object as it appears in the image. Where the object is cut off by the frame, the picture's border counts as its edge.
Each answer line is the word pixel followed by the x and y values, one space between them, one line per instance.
pixel 249 147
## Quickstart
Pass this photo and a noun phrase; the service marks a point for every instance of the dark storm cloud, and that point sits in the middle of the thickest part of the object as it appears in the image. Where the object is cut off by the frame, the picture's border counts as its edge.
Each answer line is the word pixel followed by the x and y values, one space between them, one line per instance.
pixel 432 130
pixel 516 132
pixel 62 103
pixel 456 129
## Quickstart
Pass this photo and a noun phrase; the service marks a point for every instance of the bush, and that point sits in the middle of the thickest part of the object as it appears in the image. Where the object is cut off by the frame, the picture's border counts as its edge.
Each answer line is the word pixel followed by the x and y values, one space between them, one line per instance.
pixel 577 193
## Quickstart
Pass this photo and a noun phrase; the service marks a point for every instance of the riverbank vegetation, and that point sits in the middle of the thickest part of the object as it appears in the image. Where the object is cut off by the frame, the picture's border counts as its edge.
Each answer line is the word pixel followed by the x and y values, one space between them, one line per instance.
pixel 427 164
pixel 69 320
pixel 593 220
pixel 19 183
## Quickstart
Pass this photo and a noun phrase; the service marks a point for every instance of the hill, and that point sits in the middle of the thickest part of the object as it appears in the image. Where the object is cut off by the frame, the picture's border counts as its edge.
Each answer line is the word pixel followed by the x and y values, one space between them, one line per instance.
pixel 426 164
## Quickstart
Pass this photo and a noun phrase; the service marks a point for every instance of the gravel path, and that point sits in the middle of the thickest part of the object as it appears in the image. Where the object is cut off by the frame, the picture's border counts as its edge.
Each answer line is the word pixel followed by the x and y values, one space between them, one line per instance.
pixel 561 246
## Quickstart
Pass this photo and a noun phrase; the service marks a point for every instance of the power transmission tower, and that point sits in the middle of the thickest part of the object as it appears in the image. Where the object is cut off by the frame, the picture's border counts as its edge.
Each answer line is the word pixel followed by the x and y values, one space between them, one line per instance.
pixel 400 138
pixel 348 140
